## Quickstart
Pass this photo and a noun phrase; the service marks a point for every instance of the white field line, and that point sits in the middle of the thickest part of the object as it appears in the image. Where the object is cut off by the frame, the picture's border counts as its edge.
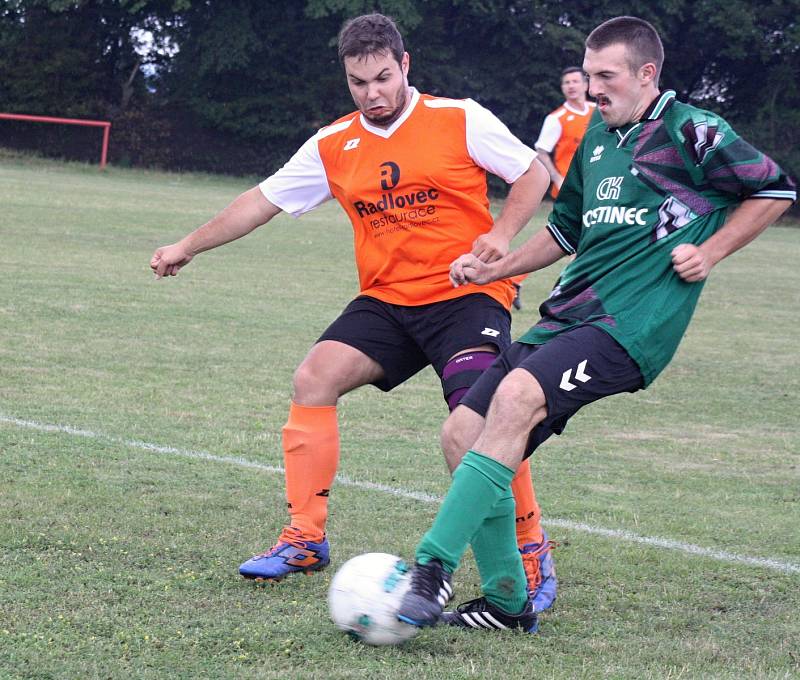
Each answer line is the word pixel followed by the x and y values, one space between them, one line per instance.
pixel 666 543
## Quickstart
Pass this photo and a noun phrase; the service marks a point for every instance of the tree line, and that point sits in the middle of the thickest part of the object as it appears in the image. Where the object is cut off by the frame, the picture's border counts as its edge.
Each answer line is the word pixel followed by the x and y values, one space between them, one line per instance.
pixel 236 86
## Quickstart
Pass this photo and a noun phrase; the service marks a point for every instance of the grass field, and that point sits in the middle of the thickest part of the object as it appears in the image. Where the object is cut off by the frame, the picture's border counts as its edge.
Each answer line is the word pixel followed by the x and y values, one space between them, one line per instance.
pixel 140 452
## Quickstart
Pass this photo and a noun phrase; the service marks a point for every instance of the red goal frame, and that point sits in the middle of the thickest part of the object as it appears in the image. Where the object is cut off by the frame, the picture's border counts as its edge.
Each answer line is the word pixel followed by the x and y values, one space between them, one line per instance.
pixel 105 124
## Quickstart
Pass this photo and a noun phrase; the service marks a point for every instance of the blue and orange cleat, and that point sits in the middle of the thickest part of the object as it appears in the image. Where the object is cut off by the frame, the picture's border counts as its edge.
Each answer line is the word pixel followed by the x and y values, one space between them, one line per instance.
pixel 289 555
pixel 541 573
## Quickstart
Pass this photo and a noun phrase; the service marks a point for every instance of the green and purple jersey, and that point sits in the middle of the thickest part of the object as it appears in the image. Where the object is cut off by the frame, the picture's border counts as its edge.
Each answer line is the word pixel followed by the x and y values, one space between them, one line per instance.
pixel 631 195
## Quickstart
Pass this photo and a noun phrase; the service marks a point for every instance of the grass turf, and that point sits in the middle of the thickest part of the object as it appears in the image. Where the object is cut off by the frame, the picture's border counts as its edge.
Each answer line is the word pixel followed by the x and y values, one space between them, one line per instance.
pixel 116 561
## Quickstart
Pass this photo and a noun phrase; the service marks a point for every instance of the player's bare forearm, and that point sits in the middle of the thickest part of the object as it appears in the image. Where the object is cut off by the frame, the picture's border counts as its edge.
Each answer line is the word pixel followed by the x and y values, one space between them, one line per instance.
pixel 536 253
pixel 247 212
pixel 694 263
pixel 523 200
pixel 250 210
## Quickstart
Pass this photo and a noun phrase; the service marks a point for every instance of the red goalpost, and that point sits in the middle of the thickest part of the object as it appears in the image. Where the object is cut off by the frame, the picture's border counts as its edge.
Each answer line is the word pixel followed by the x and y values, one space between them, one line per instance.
pixel 106 125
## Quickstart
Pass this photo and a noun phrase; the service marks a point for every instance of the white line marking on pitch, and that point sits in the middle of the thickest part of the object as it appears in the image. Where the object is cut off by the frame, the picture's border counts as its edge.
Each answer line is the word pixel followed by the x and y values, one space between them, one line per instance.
pixel 666 543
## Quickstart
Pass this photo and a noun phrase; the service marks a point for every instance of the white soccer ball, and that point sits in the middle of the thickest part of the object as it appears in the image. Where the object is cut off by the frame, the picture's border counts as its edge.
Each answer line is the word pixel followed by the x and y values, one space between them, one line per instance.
pixel 365 595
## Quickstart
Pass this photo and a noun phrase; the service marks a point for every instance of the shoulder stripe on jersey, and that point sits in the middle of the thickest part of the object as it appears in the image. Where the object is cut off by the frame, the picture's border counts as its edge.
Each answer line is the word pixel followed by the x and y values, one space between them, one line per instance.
pixel 445 103
pixel 559 238
pixel 662 103
pixel 775 193
pixel 559 112
pixel 333 129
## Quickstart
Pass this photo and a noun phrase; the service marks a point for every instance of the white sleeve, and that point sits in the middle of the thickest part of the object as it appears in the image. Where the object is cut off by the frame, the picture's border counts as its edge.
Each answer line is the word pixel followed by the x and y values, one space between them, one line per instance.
pixel 550 134
pixel 492 146
pixel 300 185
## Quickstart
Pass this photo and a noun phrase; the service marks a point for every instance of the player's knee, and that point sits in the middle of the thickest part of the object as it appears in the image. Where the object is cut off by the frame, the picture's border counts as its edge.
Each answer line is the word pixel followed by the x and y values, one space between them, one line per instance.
pixel 459 433
pixel 312 384
pixel 461 372
pixel 519 397
pixel 452 440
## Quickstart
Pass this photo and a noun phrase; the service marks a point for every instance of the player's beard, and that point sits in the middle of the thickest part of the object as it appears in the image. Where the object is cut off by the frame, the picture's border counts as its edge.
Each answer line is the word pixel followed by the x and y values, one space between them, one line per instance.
pixel 390 117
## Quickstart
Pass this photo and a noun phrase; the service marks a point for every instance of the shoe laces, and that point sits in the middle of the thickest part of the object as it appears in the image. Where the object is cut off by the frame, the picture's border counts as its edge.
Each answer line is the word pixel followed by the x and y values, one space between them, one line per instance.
pixel 427 579
pixel 479 604
pixel 289 535
pixel 531 561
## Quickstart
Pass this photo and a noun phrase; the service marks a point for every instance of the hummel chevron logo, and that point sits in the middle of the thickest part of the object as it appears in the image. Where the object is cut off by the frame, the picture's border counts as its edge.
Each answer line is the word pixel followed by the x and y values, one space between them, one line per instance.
pixel 580 374
pixel 490 332
pixel 351 144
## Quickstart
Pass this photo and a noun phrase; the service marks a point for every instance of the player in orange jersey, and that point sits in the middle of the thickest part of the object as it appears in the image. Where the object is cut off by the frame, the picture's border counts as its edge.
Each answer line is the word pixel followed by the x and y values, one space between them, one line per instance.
pixel 562 132
pixel 410 171
pixel 563 129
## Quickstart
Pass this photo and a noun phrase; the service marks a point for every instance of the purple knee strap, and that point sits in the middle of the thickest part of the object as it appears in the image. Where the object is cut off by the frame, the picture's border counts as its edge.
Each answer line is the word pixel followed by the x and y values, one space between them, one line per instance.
pixel 461 372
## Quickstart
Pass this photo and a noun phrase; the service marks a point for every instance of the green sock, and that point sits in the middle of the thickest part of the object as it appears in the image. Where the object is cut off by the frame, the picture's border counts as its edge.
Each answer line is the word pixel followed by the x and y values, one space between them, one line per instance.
pixel 494 545
pixel 478 483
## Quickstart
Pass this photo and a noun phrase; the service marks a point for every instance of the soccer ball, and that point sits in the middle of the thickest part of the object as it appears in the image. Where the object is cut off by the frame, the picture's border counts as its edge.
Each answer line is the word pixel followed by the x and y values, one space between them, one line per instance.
pixel 365 595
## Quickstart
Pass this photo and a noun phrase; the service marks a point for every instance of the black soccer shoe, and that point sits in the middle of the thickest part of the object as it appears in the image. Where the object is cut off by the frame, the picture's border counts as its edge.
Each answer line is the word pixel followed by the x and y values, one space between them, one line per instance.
pixel 427 596
pixel 480 613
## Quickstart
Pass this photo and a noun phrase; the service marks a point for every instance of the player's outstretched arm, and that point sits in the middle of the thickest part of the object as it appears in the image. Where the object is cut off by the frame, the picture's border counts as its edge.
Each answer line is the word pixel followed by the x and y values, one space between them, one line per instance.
pixel 539 251
pixel 248 211
pixel 522 202
pixel 694 263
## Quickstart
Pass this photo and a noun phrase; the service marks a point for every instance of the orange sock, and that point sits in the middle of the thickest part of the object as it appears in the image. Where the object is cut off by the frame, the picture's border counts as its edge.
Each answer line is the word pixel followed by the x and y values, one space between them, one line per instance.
pixel 310 455
pixel 528 514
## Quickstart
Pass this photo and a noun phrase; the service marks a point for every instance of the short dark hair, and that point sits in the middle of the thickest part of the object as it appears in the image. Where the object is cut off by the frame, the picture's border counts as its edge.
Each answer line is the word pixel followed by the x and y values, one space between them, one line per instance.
pixel 370 34
pixel 572 69
pixel 641 41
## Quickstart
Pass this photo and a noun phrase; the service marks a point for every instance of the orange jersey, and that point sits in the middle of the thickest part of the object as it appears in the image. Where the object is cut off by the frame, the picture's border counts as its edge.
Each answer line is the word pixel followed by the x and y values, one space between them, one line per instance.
pixel 561 134
pixel 415 192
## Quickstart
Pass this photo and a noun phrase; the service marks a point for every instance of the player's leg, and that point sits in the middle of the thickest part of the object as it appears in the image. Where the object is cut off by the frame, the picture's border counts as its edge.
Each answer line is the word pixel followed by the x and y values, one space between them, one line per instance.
pixel 362 346
pixel 482 484
pixel 311 436
pixel 311 457
pixel 537 392
pixel 462 341
pixel 458 435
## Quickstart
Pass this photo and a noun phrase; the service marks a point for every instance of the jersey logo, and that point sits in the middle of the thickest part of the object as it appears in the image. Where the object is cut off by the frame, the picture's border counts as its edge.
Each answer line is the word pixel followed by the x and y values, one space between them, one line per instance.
pixel 580 374
pixel 596 153
pixel 615 214
pixel 491 332
pixel 390 175
pixel 672 215
pixel 609 189
pixel 707 139
pixel 351 143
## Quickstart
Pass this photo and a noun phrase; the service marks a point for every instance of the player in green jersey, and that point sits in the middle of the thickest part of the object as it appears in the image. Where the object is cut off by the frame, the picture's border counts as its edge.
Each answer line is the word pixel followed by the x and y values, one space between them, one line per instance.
pixel 656 195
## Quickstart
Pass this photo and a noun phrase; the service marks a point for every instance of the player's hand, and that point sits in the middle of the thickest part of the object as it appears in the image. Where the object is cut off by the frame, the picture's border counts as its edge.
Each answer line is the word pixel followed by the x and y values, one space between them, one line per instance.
pixel 691 263
pixel 489 247
pixel 469 269
pixel 168 260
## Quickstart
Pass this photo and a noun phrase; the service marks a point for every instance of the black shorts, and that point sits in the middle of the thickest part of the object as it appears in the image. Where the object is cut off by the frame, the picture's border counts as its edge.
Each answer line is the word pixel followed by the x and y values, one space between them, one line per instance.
pixel 405 339
pixel 575 368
